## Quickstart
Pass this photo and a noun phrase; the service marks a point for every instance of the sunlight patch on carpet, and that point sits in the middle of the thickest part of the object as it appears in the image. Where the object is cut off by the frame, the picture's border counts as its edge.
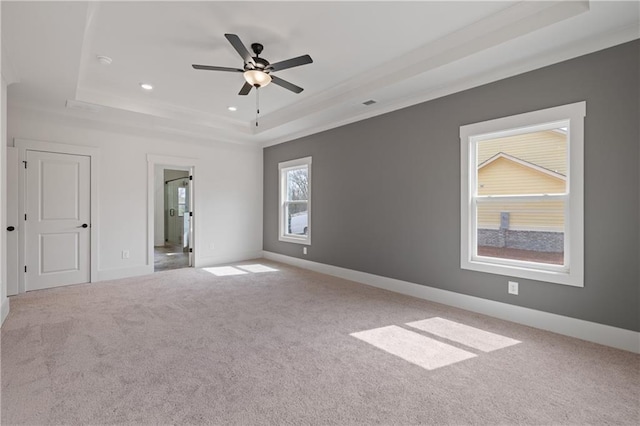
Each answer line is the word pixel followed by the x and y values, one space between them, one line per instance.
pixel 257 268
pixel 413 347
pixel 468 336
pixel 223 271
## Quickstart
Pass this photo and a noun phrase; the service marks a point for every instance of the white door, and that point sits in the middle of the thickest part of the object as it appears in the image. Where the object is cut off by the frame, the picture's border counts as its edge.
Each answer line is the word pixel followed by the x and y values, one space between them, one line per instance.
pixel 176 207
pixel 183 206
pixel 57 234
pixel 174 220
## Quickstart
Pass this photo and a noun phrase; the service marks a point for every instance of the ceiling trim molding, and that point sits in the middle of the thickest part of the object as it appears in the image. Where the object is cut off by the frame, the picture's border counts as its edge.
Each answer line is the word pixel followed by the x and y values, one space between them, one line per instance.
pixel 158 109
pixel 562 53
pixel 517 20
pixel 140 128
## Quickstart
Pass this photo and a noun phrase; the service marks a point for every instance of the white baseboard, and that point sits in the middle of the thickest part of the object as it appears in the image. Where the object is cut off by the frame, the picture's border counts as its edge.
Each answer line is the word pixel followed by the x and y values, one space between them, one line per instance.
pixel 204 262
pixel 133 271
pixel 4 310
pixel 598 333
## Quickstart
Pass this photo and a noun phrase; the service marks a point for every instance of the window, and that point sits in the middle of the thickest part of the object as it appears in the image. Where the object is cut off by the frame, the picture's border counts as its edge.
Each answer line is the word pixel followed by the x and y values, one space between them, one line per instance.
pixel 295 201
pixel 522 195
pixel 182 199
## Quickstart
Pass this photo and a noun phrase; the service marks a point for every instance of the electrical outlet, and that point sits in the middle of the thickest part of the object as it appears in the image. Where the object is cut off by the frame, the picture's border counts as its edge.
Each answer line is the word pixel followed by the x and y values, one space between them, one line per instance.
pixel 304 250
pixel 125 254
pixel 211 246
pixel 513 287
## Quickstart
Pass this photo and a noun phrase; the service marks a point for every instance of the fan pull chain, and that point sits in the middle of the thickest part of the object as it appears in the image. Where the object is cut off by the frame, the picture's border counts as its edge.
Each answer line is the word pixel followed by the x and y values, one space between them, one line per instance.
pixel 257 104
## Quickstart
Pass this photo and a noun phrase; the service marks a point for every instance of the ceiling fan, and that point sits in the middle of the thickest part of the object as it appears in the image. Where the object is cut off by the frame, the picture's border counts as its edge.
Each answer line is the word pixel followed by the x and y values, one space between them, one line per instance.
pixel 258 71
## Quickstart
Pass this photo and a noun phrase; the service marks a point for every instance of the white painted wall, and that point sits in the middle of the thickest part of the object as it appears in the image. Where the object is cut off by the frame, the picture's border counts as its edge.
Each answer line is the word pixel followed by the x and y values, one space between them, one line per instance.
pixel 228 190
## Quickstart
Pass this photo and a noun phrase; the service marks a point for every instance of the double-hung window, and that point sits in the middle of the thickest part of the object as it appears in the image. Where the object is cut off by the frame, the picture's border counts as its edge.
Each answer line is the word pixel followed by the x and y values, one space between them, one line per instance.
pixel 295 201
pixel 522 195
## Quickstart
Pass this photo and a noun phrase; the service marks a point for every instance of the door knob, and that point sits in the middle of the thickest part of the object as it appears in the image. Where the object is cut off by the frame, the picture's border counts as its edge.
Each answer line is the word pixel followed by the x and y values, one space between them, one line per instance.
pixel 84 225
pixel 10 228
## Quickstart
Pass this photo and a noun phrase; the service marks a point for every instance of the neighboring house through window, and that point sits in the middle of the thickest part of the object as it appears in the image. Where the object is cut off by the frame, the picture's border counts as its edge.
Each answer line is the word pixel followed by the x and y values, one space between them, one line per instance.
pixel 522 195
pixel 295 201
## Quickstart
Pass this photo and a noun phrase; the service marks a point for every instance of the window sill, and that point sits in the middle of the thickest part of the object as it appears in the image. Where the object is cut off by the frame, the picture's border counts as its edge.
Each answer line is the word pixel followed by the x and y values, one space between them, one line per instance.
pixel 295 240
pixel 556 277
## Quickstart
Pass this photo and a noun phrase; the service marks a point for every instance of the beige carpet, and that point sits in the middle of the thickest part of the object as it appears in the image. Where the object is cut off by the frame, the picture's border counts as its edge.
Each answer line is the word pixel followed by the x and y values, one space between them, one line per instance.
pixel 292 347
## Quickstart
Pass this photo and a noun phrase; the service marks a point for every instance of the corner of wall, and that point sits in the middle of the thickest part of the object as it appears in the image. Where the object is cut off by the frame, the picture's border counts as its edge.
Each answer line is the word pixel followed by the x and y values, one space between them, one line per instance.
pixel 4 310
pixel 3 201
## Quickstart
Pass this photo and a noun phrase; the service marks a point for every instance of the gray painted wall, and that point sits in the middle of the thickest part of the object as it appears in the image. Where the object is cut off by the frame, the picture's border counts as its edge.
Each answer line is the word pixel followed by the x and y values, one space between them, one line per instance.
pixel 386 191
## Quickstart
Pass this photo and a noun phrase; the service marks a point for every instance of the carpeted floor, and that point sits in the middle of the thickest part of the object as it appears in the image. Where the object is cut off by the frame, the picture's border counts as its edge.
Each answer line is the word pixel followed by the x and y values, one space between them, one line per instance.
pixel 255 347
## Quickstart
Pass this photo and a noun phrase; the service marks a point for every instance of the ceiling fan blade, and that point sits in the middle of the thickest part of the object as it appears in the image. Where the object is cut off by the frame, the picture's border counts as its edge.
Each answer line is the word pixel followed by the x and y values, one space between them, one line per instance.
pixel 245 89
pixel 240 48
pixel 212 68
pixel 290 63
pixel 284 83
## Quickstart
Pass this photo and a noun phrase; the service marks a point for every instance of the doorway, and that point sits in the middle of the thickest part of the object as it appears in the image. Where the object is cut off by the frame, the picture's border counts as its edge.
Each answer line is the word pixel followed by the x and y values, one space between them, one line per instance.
pixel 173 216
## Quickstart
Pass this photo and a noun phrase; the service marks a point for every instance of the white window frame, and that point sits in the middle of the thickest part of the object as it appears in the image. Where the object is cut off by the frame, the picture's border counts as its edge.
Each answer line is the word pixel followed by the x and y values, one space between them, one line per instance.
pixel 572 272
pixel 283 168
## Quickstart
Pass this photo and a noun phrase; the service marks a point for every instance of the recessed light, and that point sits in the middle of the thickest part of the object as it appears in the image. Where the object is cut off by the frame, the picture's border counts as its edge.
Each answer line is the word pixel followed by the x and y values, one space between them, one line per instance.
pixel 104 60
pixel 232 108
pixel 146 86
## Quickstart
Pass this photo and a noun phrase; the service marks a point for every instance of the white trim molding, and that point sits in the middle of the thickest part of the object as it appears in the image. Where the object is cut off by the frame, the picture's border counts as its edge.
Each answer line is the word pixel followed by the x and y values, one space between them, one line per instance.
pixel 127 272
pixel 570 116
pixel 283 169
pixel 4 310
pixel 154 160
pixel 231 257
pixel 615 337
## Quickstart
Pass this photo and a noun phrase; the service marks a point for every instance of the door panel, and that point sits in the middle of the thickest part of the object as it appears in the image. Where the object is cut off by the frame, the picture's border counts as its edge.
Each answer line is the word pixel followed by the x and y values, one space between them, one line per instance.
pixel 58 204
pixel 59 252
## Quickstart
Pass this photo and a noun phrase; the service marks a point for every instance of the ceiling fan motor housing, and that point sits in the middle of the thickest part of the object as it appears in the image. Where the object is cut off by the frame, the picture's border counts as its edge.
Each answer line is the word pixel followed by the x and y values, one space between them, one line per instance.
pixel 260 64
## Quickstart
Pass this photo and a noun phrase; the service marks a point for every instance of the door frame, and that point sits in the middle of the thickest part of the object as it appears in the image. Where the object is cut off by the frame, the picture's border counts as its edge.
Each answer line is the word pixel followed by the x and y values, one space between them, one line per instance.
pixel 166 161
pixel 24 145
pixel 12 220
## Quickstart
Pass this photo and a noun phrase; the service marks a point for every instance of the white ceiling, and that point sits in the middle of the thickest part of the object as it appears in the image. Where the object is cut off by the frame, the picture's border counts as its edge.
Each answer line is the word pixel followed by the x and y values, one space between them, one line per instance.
pixel 397 53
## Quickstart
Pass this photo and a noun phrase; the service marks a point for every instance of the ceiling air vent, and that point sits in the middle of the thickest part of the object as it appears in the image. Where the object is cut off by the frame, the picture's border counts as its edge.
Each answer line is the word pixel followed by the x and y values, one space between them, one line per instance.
pixel 85 106
pixel 369 102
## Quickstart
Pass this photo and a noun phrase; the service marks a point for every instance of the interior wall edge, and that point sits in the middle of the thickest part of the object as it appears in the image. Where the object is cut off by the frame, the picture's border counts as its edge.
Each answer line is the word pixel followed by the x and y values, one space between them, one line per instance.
pixel 204 262
pixel 4 310
pixel 607 335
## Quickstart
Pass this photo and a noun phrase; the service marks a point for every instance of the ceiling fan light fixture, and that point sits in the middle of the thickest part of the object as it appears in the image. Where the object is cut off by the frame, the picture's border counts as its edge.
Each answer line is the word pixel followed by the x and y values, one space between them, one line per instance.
pixel 257 78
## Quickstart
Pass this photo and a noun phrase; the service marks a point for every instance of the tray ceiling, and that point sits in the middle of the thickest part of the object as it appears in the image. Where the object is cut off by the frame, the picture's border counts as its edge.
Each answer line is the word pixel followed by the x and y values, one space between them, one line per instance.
pixel 396 53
